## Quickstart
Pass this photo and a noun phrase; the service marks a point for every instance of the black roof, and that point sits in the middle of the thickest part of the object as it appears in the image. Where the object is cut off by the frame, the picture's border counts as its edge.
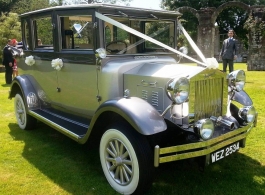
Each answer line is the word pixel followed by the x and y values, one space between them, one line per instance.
pixel 110 9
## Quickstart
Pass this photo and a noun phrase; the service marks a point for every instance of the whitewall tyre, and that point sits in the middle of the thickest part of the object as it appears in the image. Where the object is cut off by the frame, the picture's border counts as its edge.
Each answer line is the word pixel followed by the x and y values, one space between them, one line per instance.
pixel 24 120
pixel 126 160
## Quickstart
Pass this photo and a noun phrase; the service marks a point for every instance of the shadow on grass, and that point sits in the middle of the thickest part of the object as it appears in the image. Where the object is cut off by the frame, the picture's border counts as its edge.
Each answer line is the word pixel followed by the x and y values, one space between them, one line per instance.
pixel 6 85
pixel 72 166
pixel 238 174
pixel 77 169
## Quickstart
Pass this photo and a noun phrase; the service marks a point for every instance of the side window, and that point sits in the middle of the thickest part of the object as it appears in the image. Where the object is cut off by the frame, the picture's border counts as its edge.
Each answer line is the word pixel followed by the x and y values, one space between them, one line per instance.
pixel 77 32
pixel 27 35
pixel 108 34
pixel 161 31
pixel 43 30
pixel 113 33
pixel 116 39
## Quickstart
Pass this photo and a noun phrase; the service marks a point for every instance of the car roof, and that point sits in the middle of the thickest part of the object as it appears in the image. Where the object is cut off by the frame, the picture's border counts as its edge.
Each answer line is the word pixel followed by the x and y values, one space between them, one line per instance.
pixel 110 9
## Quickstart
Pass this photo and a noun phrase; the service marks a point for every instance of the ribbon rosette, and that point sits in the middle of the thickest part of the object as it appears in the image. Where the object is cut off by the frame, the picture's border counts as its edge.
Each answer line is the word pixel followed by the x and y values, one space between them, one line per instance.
pixel 57 64
pixel 212 63
pixel 30 60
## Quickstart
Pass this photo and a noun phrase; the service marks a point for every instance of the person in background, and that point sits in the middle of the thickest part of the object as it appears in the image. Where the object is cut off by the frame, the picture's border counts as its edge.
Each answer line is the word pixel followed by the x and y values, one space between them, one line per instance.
pixel 8 61
pixel 8 42
pixel 39 42
pixel 229 51
pixel 15 70
pixel 20 44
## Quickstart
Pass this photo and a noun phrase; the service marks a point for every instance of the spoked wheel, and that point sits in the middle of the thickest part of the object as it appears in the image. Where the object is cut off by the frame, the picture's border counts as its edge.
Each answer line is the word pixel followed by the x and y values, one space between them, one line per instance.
pixel 24 120
pixel 126 159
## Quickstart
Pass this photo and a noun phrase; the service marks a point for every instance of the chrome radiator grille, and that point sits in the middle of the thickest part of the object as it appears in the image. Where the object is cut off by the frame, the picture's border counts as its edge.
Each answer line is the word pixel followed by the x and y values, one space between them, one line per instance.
pixel 208 98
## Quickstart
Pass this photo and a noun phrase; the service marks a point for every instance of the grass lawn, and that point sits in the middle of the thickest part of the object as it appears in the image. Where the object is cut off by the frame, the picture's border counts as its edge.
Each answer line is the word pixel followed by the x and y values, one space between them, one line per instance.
pixel 44 162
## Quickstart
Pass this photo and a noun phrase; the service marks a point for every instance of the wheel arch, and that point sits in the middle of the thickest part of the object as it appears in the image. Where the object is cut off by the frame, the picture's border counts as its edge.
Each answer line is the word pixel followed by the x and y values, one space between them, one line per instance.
pixel 22 84
pixel 139 114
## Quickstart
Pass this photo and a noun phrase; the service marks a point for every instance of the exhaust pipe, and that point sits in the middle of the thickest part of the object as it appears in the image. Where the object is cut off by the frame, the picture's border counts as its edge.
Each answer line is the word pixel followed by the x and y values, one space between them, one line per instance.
pixel 221 121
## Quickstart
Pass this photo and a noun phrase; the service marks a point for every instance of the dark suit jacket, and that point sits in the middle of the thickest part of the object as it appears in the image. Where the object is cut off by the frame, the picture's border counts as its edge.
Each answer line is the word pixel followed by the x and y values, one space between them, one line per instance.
pixel 7 56
pixel 229 49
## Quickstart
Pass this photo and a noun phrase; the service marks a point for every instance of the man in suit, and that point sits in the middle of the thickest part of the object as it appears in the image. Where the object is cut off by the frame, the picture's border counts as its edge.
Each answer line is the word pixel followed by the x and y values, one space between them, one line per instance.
pixel 229 51
pixel 8 61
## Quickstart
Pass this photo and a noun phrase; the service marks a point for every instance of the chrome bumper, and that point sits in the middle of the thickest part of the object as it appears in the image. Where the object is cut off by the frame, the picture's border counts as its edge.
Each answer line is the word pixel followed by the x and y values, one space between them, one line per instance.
pixel 200 148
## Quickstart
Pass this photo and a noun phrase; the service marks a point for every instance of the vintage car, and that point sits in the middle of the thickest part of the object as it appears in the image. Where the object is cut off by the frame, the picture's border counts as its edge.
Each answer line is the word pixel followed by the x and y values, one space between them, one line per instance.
pixel 111 75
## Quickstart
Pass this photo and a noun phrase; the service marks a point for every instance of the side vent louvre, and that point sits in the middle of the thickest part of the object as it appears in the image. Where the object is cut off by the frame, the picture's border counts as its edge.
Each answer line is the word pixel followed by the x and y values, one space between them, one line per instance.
pixel 144 95
pixel 155 98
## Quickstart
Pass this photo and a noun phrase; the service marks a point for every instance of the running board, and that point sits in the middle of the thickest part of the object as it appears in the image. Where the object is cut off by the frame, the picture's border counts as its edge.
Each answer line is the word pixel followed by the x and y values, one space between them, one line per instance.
pixel 71 128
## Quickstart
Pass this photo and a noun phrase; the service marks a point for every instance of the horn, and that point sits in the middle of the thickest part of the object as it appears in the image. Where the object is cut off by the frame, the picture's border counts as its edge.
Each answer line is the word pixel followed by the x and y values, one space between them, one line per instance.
pixel 221 121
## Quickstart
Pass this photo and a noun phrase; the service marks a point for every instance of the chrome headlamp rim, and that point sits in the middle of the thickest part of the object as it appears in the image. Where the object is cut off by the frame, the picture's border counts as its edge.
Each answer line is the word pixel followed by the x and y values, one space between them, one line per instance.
pixel 204 128
pixel 178 90
pixel 237 79
pixel 247 113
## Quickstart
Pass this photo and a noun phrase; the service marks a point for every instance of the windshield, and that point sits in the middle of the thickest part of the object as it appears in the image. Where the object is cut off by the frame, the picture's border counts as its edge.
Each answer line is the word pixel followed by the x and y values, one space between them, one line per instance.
pixel 120 41
pixel 135 37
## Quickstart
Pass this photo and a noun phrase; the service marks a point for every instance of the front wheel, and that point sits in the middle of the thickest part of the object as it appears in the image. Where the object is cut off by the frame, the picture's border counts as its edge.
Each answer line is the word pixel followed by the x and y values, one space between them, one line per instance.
pixel 126 160
pixel 24 120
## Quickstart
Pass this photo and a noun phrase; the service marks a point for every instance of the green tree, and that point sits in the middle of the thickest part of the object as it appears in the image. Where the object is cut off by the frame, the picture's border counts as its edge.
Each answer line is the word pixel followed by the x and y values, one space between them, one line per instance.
pixel 23 6
pixel 7 5
pixel 10 29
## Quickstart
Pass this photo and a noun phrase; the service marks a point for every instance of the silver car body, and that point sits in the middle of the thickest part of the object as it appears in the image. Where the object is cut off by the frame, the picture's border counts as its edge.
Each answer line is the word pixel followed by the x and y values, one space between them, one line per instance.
pixel 80 92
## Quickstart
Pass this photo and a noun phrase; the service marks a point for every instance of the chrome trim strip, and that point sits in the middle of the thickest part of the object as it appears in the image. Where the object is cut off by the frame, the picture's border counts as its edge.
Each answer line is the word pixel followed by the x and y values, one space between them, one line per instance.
pixel 55 126
pixel 203 148
pixel 156 156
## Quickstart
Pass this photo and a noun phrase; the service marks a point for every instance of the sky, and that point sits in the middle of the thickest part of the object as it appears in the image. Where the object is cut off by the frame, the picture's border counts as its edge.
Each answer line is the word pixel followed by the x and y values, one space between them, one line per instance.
pixel 154 4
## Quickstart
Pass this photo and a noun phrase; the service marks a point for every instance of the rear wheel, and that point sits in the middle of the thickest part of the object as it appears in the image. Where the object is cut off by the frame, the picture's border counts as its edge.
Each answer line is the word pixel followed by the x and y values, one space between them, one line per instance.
pixel 24 120
pixel 126 160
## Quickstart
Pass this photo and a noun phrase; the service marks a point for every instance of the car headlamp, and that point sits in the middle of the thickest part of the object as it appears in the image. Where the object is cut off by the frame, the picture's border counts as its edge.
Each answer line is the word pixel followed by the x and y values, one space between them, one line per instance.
pixel 237 79
pixel 178 90
pixel 204 128
pixel 248 113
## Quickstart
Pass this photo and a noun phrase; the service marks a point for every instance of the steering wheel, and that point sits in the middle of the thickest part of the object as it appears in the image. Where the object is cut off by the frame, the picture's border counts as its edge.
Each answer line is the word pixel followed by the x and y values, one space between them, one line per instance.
pixel 123 51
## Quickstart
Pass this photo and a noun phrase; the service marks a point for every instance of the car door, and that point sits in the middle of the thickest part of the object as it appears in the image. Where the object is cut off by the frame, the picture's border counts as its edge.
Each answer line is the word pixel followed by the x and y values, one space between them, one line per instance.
pixel 40 27
pixel 77 79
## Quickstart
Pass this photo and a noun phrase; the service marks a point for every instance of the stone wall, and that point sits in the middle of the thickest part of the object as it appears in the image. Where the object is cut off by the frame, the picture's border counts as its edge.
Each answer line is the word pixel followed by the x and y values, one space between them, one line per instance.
pixel 256 50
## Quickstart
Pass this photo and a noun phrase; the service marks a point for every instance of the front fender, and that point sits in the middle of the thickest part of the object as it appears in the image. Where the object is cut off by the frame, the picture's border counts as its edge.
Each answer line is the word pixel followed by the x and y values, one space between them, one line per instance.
pixel 24 85
pixel 243 98
pixel 140 114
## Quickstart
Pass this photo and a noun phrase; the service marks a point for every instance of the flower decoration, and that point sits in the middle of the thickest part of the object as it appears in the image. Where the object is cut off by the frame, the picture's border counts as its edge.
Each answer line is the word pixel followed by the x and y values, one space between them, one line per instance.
pixel 212 63
pixel 57 64
pixel 30 60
